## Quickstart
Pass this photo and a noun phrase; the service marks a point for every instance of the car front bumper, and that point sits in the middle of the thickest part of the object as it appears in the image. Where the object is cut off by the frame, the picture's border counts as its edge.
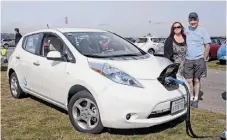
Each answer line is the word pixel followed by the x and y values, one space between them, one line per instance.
pixel 117 101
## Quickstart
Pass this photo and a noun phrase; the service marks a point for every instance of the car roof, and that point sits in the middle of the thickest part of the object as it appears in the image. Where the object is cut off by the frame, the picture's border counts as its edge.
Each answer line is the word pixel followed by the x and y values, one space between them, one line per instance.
pixel 64 30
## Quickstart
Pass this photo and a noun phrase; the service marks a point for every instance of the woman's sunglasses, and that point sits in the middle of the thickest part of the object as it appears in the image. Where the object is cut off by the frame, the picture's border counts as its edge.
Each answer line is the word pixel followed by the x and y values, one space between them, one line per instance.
pixel 178 27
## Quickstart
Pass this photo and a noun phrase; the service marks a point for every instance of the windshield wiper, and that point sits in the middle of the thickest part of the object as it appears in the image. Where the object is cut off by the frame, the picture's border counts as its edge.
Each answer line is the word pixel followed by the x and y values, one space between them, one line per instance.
pixel 111 56
pixel 126 55
pixel 95 56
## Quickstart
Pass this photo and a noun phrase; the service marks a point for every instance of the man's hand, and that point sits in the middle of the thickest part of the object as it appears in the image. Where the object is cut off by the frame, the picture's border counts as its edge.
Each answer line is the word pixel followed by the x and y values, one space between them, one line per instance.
pixel 206 53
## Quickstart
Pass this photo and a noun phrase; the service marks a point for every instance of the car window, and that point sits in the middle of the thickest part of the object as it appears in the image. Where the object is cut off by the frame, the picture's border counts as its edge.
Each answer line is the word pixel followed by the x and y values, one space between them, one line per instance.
pixel 156 40
pixel 214 41
pixel 32 43
pixel 68 55
pixel 51 43
pixel 141 40
pixel 222 40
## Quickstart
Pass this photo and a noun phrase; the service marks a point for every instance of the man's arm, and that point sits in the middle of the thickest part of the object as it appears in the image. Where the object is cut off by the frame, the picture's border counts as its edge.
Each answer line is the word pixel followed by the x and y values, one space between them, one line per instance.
pixel 206 41
pixel 207 50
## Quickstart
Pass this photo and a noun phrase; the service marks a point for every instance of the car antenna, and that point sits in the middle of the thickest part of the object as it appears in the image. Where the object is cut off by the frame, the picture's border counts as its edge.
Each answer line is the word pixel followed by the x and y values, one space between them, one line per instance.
pixel 47 26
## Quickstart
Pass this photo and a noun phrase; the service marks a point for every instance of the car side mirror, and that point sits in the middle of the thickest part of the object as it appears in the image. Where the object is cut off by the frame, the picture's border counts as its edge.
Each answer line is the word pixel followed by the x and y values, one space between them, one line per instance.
pixel 54 55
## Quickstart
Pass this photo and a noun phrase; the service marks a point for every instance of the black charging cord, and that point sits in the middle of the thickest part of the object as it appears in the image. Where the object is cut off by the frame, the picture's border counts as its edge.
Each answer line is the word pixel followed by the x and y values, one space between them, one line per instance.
pixel 189 130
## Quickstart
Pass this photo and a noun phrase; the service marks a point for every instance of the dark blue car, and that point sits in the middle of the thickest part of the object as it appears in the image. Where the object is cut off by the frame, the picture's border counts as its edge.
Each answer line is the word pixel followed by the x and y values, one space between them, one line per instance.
pixel 221 54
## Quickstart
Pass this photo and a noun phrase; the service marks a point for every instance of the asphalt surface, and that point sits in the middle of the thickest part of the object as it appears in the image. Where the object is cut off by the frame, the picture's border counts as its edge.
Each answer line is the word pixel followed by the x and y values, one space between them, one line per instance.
pixel 213 91
pixel 9 52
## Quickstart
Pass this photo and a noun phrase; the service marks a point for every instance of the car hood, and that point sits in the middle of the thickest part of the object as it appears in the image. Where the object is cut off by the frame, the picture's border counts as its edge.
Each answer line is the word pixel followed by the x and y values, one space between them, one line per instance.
pixel 145 69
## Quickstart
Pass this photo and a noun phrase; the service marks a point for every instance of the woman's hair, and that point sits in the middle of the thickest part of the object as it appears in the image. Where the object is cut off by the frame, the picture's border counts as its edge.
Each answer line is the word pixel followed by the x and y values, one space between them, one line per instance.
pixel 172 29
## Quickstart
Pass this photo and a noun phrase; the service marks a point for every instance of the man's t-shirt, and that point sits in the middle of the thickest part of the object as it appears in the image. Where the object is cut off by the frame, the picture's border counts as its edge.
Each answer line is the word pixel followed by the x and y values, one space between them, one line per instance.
pixel 196 40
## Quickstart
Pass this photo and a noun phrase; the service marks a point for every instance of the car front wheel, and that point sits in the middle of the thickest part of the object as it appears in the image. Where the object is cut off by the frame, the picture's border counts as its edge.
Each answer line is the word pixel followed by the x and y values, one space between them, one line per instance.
pixel 15 88
pixel 84 113
pixel 151 51
pixel 6 46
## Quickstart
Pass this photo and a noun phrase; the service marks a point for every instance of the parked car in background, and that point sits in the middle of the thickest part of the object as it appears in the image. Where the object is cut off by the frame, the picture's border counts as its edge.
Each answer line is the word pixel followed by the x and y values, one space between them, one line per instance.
pixel 132 40
pixel 117 87
pixel 216 42
pixel 8 43
pixel 160 46
pixel 221 54
pixel 147 44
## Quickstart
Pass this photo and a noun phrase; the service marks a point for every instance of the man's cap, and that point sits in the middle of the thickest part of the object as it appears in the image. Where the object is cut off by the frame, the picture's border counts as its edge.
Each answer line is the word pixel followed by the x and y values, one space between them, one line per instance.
pixel 193 15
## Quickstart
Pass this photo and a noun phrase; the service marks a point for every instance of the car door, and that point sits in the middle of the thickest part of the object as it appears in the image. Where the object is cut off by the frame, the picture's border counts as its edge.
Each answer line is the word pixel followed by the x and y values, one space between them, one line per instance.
pixel 27 58
pixel 53 71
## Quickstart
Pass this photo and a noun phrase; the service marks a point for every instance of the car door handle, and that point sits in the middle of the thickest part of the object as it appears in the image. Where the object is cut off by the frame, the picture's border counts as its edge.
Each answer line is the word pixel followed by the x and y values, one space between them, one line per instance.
pixel 36 63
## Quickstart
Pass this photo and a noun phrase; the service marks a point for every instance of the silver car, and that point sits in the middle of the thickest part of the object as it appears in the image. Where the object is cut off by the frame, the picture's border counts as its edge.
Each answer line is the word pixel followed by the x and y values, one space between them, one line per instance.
pixel 8 43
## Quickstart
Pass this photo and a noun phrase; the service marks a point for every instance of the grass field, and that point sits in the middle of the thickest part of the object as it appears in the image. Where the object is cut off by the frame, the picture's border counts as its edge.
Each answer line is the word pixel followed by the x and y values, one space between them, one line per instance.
pixel 215 64
pixel 31 118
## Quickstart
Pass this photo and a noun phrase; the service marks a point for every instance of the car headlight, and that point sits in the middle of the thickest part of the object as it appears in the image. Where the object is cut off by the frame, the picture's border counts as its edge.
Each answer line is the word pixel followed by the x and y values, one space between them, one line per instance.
pixel 115 74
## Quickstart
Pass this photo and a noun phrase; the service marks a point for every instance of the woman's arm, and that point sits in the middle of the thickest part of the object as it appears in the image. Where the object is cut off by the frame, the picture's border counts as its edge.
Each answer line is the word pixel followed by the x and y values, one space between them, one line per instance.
pixel 168 49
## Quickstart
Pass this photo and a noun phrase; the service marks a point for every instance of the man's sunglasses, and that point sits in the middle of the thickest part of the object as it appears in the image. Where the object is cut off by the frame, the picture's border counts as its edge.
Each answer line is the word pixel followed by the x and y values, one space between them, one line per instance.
pixel 178 27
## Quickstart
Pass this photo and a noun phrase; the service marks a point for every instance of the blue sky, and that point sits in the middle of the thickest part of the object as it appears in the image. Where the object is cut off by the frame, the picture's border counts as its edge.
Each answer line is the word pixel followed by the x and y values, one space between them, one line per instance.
pixel 125 18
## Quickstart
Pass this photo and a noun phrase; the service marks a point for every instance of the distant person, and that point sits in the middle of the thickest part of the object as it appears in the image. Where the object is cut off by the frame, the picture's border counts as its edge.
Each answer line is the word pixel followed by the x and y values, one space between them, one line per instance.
pixel 198 46
pixel 175 45
pixel 3 55
pixel 17 36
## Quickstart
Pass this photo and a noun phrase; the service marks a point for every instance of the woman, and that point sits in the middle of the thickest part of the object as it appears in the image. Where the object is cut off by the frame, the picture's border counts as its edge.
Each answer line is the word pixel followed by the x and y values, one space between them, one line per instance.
pixel 175 45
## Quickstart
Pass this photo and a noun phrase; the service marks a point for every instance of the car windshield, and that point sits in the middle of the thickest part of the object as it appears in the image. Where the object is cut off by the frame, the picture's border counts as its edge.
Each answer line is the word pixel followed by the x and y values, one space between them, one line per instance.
pixel 102 44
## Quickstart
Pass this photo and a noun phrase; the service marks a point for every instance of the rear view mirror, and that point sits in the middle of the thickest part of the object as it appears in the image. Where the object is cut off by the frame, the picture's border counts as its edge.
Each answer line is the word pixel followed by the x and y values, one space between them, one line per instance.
pixel 54 55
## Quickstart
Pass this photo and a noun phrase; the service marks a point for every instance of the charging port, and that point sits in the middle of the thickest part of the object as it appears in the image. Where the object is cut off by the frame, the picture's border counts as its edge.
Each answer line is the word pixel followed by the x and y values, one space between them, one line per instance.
pixel 169 71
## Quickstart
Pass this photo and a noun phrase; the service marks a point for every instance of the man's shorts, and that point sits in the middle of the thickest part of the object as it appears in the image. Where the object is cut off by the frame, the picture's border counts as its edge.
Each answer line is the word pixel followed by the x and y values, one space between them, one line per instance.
pixel 195 68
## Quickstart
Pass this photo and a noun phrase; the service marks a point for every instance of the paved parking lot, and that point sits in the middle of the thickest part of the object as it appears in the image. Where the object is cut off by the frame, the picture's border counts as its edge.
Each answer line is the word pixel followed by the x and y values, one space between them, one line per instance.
pixel 9 52
pixel 214 91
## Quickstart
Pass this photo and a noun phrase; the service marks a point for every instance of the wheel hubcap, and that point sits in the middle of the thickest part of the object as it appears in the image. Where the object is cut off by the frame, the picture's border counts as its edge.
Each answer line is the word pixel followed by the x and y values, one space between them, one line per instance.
pixel 14 86
pixel 85 113
pixel 151 51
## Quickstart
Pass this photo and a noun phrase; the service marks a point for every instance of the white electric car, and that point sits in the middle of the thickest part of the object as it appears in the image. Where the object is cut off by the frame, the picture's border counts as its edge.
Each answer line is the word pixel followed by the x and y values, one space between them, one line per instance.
pixel 114 85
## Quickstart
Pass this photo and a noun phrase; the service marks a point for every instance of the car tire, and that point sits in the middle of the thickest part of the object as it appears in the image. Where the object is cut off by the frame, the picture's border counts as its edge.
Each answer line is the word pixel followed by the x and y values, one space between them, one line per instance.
pixel 15 88
pixel 222 61
pixel 6 46
pixel 151 51
pixel 78 116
